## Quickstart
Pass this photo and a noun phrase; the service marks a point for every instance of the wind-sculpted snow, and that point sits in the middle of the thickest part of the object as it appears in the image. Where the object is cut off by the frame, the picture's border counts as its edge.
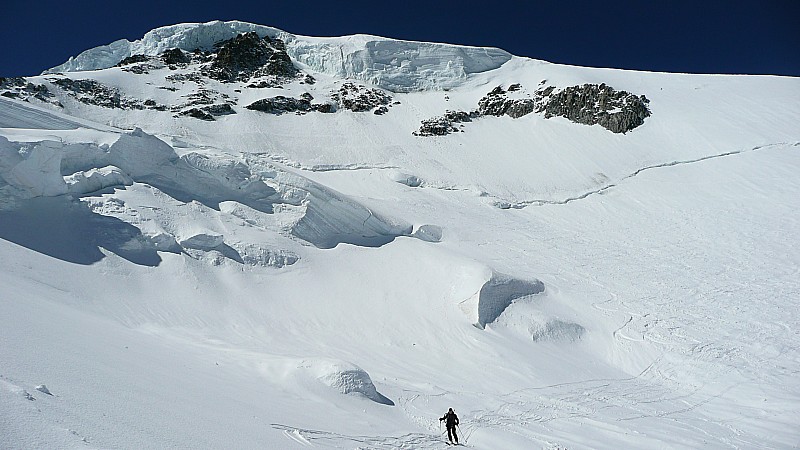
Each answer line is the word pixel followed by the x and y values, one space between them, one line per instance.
pixel 497 294
pixel 196 186
pixel 29 170
pixel 346 378
pixel 94 180
pixel 331 218
pixel 398 66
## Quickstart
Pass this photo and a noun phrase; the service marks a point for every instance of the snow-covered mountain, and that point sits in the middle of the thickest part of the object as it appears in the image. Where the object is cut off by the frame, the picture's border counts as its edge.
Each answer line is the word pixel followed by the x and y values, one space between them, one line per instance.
pixel 224 235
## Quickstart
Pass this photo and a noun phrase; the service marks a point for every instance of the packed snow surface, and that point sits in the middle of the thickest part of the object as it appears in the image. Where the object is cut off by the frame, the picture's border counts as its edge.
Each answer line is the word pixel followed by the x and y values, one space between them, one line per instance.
pixel 330 280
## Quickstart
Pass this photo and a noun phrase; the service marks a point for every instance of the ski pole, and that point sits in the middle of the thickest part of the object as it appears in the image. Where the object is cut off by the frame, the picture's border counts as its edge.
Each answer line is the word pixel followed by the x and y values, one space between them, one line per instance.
pixel 461 433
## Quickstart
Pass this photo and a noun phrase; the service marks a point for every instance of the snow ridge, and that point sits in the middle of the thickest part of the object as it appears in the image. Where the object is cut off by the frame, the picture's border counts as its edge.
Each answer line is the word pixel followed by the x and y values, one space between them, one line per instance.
pixel 398 66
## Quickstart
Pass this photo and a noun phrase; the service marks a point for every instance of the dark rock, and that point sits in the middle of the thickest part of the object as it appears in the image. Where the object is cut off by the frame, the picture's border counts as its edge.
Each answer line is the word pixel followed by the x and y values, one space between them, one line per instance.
pixel 437 126
pixel 138 64
pixel 381 110
pixel 265 84
pixel 309 79
pixel 495 103
pixel 323 107
pixel 8 83
pixel 197 113
pixel 280 105
pixel 150 102
pixel 497 91
pixel 306 96
pixel 132 60
pixel 92 93
pixel 617 111
pixel 521 107
pixel 359 98
pixel 443 125
pixel 201 97
pixel 184 77
pixel 461 116
pixel 247 55
pixel 20 88
pixel 138 69
pixel 175 57
pixel 219 110
pixel 208 112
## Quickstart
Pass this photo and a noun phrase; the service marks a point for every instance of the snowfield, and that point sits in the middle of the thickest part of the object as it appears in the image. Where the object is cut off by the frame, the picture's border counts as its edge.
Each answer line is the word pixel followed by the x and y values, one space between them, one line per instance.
pixel 331 280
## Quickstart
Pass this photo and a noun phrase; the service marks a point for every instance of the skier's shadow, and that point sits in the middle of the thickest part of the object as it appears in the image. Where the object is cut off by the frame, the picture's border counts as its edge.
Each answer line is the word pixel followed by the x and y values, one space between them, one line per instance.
pixel 69 231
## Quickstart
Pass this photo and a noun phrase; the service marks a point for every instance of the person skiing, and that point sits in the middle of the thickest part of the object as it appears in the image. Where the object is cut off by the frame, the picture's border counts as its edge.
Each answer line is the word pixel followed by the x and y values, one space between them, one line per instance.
pixel 451 422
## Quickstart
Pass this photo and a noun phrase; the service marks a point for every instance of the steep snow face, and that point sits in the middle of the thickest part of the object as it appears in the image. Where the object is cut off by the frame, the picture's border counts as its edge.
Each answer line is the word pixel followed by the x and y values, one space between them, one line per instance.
pixel 186 36
pixel 328 277
pixel 398 66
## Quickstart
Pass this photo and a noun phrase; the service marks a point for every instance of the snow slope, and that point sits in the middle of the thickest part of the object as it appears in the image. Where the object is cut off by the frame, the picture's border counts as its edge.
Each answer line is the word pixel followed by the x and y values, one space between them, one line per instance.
pixel 333 281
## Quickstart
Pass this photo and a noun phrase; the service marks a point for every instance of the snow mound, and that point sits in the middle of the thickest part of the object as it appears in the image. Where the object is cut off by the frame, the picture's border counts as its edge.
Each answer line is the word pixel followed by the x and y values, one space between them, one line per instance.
pixel 328 217
pixel 539 321
pixel 404 178
pixel 28 171
pixel 556 330
pixel 344 377
pixel 428 233
pixel 141 154
pixel 43 389
pixel 202 241
pixel 497 294
pixel 94 180
pixel 332 218
pixel 398 66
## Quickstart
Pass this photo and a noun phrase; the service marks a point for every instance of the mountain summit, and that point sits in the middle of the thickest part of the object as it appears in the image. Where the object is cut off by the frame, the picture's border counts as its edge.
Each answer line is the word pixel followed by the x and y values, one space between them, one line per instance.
pixel 224 235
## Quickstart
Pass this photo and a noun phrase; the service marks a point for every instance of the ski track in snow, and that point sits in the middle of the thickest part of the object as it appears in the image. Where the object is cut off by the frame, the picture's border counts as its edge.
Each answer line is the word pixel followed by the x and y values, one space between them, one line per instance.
pixel 525 203
pixel 336 440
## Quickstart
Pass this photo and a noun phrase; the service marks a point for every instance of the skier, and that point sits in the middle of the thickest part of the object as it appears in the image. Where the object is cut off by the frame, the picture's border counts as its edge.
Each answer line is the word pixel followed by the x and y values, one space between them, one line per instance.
pixel 451 422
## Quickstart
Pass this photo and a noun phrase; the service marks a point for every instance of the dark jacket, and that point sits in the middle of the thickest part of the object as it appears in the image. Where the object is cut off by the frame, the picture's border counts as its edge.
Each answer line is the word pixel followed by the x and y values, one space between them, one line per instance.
pixel 451 418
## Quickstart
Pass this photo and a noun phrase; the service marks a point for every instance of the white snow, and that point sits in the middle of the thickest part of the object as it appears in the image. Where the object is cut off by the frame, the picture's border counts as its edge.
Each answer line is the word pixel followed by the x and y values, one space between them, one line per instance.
pixel 332 281
pixel 399 66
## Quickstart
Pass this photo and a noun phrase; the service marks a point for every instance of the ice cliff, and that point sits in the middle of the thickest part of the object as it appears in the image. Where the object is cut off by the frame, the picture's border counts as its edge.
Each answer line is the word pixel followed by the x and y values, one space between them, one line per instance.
pixel 398 66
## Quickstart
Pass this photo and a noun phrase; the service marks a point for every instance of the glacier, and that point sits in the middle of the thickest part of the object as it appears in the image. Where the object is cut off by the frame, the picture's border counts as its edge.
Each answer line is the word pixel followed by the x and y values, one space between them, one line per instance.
pixel 398 66
pixel 179 270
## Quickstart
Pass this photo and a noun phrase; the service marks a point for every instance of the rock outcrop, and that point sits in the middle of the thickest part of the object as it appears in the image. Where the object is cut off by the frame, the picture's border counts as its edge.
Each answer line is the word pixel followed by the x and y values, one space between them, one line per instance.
pixel 443 125
pixel 588 104
pixel 20 88
pixel 175 57
pixel 247 56
pixel 358 98
pixel 280 105
pixel 133 59
pixel 91 92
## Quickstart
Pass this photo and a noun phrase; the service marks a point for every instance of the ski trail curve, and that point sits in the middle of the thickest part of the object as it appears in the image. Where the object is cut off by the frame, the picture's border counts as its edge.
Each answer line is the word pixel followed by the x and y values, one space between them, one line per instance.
pixel 538 202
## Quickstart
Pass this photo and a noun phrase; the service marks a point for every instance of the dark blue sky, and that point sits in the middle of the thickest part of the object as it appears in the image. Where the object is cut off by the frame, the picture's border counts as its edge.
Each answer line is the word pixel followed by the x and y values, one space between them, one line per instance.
pixel 704 36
